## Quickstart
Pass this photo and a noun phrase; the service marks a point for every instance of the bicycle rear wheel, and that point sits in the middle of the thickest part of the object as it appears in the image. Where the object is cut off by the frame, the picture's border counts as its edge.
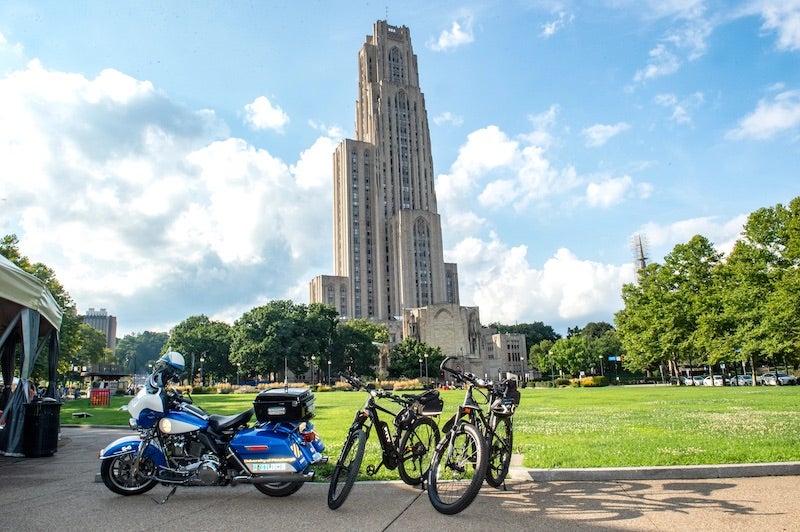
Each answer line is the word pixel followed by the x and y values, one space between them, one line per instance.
pixel 416 450
pixel 457 469
pixel 499 451
pixel 346 470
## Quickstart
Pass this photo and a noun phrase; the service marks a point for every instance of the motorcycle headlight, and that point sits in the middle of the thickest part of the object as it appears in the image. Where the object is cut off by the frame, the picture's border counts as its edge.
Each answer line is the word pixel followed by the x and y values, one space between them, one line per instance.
pixel 134 424
pixel 165 425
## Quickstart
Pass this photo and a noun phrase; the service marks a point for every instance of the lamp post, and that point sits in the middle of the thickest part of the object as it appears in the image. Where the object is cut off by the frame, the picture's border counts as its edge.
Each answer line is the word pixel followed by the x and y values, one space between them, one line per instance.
pixel 202 359
pixel 313 369
pixel 329 372
pixel 420 368
pixel 426 367
pixel 238 370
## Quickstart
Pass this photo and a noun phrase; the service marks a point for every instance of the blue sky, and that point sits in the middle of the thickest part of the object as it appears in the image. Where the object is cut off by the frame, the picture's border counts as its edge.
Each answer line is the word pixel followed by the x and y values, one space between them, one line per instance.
pixel 168 159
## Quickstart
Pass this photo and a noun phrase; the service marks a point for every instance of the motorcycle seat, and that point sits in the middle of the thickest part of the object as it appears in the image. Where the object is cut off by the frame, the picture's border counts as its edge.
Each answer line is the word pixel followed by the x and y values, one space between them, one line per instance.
pixel 220 423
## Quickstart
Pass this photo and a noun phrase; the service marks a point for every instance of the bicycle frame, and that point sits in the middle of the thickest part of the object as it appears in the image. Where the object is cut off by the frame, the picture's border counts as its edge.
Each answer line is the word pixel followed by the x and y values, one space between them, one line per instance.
pixel 367 418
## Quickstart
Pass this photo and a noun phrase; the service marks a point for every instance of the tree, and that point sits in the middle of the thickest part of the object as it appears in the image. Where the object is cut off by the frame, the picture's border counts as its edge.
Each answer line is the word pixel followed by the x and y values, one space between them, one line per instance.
pixel 136 351
pixel 92 348
pixel 534 332
pixel 281 332
pixel 198 337
pixel 662 316
pixel 539 356
pixel 408 356
pixel 378 332
pixel 354 350
pixel 571 354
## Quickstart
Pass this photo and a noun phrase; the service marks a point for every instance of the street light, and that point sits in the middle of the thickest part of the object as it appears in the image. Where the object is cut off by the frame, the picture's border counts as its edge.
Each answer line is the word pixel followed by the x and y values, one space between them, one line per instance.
pixel 238 370
pixel 202 359
pixel 313 369
pixel 420 368
pixel 426 367
pixel 329 372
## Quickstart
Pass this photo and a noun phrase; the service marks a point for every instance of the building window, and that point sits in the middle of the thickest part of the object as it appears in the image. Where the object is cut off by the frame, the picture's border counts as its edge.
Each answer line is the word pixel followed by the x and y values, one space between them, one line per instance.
pixel 396 74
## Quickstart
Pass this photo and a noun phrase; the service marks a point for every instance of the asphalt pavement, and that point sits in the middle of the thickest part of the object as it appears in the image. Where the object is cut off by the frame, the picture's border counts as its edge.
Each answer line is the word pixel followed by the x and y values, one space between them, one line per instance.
pixel 62 493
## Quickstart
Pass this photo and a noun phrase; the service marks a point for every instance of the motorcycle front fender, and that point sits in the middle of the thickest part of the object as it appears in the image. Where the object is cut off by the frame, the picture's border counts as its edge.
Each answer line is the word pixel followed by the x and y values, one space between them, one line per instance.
pixel 130 445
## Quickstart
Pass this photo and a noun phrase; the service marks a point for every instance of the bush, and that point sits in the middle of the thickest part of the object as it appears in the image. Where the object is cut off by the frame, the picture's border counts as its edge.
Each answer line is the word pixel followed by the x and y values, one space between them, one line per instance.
pixel 590 382
pixel 561 381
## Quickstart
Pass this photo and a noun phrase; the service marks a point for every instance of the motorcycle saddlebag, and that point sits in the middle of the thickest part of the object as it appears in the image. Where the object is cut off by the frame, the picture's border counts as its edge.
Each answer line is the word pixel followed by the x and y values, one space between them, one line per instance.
pixel 284 404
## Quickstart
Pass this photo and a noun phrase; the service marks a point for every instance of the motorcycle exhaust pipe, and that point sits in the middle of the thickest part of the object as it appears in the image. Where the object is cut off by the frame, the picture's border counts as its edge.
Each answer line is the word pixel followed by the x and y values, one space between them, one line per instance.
pixel 270 479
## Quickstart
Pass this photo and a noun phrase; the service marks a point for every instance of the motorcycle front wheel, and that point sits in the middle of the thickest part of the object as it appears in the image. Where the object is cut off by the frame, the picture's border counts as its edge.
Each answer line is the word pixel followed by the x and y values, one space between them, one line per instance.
pixel 279 489
pixel 118 476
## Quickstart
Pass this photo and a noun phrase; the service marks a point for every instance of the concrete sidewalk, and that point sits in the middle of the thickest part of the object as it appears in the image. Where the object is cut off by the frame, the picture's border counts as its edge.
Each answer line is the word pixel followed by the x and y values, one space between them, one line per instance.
pixel 60 493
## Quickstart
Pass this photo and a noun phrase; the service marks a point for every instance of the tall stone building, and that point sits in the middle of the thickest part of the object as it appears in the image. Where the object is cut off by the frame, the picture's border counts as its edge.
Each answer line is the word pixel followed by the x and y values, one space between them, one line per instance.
pixel 388 257
pixel 387 231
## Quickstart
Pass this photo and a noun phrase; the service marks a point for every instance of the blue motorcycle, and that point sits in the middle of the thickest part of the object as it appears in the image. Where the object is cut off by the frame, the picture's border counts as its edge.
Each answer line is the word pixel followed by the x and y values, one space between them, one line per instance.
pixel 180 444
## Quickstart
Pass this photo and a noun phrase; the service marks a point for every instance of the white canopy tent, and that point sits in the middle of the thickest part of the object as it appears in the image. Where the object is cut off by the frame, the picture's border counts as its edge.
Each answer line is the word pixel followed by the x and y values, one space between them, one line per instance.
pixel 24 301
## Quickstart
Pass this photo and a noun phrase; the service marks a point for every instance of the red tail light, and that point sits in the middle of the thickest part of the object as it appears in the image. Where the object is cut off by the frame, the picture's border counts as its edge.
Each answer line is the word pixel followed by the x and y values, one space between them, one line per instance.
pixel 309 436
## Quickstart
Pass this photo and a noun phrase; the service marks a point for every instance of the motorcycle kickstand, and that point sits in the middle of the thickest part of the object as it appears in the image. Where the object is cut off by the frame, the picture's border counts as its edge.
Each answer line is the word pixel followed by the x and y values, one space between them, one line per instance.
pixel 165 499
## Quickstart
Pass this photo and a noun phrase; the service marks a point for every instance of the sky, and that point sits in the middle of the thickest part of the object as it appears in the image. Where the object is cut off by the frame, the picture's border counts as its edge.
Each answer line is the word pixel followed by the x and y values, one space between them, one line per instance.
pixel 171 159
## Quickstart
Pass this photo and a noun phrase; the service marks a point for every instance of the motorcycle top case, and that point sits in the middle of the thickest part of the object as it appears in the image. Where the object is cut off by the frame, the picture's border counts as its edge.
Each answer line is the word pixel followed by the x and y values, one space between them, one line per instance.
pixel 284 404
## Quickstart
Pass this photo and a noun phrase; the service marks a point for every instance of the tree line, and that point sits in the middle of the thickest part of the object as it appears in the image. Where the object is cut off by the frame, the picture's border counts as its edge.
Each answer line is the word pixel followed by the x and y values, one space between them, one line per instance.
pixel 700 307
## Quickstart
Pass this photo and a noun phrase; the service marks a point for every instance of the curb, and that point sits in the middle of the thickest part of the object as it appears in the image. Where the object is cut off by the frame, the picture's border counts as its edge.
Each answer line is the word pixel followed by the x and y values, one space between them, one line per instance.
pixel 687 472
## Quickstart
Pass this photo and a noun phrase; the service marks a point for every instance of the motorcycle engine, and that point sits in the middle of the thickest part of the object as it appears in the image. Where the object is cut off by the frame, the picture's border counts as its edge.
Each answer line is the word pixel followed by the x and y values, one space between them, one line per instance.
pixel 200 464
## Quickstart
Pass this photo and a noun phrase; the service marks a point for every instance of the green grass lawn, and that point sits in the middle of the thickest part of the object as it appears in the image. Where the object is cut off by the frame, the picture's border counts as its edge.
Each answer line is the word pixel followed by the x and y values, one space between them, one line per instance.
pixel 581 427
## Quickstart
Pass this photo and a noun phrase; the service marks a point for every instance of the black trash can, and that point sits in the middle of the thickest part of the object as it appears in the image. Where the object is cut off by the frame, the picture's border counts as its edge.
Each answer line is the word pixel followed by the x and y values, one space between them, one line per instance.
pixel 42 425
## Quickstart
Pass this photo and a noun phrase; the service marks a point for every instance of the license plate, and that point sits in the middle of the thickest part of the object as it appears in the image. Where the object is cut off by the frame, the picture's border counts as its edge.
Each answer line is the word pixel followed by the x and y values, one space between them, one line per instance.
pixel 260 468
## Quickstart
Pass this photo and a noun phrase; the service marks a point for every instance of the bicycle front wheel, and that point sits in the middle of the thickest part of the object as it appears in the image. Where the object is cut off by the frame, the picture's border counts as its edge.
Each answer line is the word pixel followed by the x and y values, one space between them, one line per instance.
pixel 346 470
pixel 457 469
pixel 499 451
pixel 416 448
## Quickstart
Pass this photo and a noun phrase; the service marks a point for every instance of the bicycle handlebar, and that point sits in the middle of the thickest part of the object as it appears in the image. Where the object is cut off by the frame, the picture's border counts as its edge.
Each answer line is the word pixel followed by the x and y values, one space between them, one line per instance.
pixel 463 375
pixel 358 384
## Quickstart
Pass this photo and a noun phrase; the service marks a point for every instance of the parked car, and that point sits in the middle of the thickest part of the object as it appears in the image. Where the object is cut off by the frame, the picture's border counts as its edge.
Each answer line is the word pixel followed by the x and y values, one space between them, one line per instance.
pixel 741 380
pixel 777 379
pixel 697 380
pixel 713 380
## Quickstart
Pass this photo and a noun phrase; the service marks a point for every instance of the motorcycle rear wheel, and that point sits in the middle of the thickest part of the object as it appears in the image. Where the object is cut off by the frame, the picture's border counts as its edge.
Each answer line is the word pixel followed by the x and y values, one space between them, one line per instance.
pixel 278 489
pixel 117 474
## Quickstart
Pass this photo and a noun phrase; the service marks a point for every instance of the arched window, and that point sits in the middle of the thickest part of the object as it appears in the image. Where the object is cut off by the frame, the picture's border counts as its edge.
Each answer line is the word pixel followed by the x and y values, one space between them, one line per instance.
pixel 396 71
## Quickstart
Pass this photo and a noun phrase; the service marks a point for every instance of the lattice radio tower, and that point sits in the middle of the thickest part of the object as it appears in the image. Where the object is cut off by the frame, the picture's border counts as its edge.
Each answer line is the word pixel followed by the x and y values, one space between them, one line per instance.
pixel 640 251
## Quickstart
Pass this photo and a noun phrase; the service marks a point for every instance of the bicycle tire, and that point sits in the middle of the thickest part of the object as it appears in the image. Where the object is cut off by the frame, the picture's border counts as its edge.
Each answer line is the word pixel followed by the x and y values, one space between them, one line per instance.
pixel 500 449
pixel 457 469
pixel 416 450
pixel 346 470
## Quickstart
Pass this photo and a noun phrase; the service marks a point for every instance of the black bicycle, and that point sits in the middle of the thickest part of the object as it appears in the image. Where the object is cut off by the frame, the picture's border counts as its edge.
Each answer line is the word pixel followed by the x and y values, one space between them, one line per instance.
pixel 474 446
pixel 409 449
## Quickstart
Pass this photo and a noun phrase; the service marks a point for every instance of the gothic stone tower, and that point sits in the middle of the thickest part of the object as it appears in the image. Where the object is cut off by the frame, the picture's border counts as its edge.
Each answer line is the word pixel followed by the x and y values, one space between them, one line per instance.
pixel 387 231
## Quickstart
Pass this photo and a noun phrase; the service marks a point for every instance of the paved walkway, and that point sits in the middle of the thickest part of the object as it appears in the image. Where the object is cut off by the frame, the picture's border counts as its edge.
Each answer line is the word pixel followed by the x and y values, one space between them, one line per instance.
pixel 60 493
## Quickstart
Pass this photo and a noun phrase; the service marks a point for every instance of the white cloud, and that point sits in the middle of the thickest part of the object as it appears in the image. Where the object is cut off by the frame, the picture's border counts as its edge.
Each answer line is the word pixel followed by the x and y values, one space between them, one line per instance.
pixel 783 17
pixel 723 234
pixel 662 63
pixel 681 109
pixel 448 118
pixel 598 134
pixel 613 190
pixel 262 114
pixel 459 34
pixel 148 208
pixel 554 26
pixel 565 291
pixel 769 118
